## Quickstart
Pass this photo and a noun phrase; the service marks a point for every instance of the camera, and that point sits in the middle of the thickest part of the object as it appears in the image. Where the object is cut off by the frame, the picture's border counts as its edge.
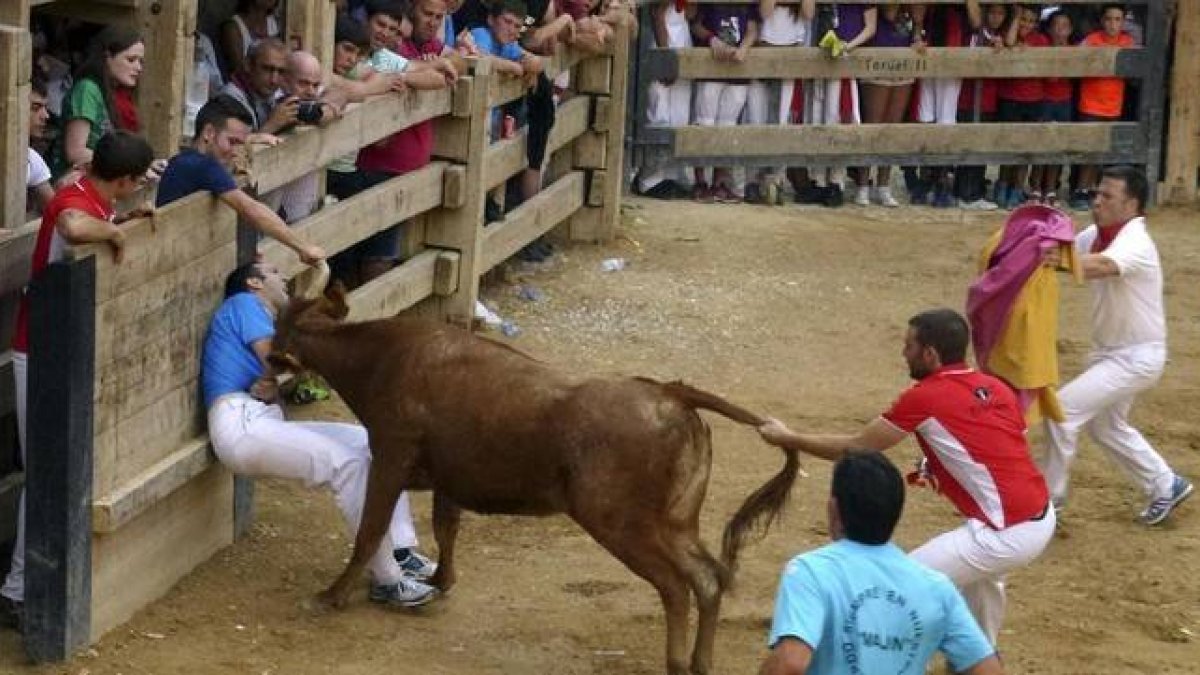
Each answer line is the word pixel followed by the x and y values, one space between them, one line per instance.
pixel 309 112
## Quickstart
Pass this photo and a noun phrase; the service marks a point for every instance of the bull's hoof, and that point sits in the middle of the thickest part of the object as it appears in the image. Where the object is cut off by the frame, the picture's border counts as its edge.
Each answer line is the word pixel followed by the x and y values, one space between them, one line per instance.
pixel 442 582
pixel 330 599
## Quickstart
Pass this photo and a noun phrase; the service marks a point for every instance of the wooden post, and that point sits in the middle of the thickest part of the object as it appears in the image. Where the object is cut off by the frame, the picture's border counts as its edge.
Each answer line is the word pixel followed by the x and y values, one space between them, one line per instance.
pixel 1153 90
pixel 15 13
pixel 15 68
pixel 1183 143
pixel 597 221
pixel 309 26
pixel 461 228
pixel 58 541
pixel 168 27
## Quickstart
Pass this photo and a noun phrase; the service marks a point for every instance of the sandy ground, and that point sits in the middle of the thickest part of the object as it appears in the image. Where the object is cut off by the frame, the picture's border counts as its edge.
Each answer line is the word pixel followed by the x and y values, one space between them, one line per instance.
pixel 796 312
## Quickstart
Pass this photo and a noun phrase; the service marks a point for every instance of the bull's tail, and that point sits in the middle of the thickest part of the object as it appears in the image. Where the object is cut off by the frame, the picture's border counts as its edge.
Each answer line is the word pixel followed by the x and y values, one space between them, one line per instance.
pixel 764 506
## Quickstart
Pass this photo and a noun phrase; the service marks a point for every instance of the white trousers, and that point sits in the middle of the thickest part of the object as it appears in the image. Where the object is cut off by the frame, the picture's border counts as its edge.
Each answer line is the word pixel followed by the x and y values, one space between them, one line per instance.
pixel 823 105
pixel 938 100
pixel 14 583
pixel 666 106
pixel 253 439
pixel 1099 400
pixel 758 111
pixel 977 559
pixel 719 103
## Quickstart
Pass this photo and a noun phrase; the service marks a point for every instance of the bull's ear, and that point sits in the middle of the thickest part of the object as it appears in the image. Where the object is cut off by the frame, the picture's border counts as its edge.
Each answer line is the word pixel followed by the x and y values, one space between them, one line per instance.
pixel 336 294
pixel 284 362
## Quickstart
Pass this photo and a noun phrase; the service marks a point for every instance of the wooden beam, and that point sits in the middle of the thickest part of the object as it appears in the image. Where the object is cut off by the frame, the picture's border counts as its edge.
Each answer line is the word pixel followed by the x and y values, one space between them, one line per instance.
pixel 16 254
pixel 600 224
pixel 15 67
pixel 309 26
pixel 132 444
pixel 344 224
pixel 58 594
pixel 532 219
pixel 874 143
pixel 1183 143
pixel 113 510
pixel 594 76
pixel 504 88
pixel 168 27
pixel 397 290
pixel 15 13
pixel 811 62
pixel 311 148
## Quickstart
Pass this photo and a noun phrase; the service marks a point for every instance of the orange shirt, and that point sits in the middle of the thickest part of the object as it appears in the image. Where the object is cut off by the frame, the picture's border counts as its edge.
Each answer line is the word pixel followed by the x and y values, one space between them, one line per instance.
pixel 1103 96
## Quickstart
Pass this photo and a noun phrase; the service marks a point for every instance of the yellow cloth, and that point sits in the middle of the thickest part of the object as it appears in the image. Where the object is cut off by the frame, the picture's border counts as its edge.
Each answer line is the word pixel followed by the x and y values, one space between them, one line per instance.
pixel 1026 354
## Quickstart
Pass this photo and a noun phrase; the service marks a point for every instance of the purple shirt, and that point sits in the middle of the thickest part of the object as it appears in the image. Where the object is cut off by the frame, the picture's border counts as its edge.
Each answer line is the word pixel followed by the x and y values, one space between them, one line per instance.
pixel 892 33
pixel 728 22
pixel 848 20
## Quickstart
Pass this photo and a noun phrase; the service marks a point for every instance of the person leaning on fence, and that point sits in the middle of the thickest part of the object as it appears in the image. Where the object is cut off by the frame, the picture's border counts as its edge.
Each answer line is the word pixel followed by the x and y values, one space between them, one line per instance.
pixel 1101 98
pixel 1021 100
pixel 38 189
pixel 251 437
pixel 1129 348
pixel 223 125
pixel 80 213
pixel 729 31
pixel 988 26
pixel 1057 107
pixel 972 436
pixel 784 24
pixel 859 604
pixel 668 102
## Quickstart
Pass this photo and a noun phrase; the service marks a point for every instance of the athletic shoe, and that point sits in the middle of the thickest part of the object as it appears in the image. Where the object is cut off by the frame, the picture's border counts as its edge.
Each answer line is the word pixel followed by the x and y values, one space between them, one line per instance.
pixel 832 197
pixel 943 200
pixel 1079 201
pixel 810 193
pixel 722 193
pixel 403 593
pixel 663 189
pixel 703 194
pixel 1158 510
pixel 754 194
pixel 414 564
pixel 979 205
pixel 492 211
pixel 886 199
pixel 862 196
pixel 1051 199
pixel 12 614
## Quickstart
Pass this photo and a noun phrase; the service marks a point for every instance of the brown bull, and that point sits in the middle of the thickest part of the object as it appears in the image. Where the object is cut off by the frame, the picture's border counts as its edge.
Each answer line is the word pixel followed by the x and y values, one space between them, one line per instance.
pixel 491 430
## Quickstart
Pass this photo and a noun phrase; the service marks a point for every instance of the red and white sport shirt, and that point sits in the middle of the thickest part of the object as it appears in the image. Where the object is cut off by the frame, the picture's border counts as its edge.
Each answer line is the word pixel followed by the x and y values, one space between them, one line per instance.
pixel 971 430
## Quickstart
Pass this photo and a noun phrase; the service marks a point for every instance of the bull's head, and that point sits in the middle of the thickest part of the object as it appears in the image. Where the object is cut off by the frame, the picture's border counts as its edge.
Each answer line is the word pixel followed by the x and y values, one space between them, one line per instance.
pixel 309 311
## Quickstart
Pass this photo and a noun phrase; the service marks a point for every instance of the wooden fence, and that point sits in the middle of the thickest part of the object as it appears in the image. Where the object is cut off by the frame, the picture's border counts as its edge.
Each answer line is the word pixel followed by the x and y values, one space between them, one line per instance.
pixel 1138 142
pixel 124 495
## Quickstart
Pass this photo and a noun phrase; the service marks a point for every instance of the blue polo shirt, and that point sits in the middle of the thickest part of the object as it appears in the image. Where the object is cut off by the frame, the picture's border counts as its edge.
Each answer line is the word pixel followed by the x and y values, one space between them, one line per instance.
pixel 191 171
pixel 873 610
pixel 229 364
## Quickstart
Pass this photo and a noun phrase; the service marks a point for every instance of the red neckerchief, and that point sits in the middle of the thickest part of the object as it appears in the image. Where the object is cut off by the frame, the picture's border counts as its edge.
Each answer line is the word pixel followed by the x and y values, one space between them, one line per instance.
pixel 1105 236
pixel 126 110
pixel 680 5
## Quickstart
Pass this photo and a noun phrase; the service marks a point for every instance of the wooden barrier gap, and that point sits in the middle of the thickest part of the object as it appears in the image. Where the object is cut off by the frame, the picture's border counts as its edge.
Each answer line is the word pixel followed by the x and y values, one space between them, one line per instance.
pixel 506 158
pixel 532 219
pixel 504 88
pixel 921 144
pixel 811 62
pixel 310 149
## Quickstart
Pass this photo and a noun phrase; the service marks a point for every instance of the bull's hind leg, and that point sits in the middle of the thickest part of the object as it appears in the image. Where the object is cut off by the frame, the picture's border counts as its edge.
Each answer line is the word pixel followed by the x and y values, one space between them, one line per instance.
pixel 385 481
pixel 705 576
pixel 446 515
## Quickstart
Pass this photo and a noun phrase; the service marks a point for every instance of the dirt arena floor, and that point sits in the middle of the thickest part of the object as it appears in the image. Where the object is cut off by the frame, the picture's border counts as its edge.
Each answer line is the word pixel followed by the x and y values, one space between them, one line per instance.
pixel 796 312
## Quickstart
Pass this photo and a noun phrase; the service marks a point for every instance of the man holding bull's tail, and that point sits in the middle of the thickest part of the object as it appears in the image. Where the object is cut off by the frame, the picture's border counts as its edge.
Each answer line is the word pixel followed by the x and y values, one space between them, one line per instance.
pixel 972 435
pixel 250 435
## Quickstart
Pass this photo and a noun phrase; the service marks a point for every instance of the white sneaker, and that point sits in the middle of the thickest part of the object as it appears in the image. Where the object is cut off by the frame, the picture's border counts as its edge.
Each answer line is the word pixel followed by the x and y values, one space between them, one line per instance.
pixel 863 196
pixel 487 316
pixel 886 198
pixel 980 205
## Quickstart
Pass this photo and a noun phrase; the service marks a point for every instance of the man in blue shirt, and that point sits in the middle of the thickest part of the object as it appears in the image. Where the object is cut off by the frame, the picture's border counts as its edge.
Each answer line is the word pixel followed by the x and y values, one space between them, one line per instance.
pixel 860 605
pixel 251 437
pixel 221 126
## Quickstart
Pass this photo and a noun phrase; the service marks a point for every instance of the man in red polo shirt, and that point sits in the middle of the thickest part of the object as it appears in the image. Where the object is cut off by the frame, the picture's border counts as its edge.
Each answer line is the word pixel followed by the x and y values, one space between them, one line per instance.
pixel 972 435
pixel 80 213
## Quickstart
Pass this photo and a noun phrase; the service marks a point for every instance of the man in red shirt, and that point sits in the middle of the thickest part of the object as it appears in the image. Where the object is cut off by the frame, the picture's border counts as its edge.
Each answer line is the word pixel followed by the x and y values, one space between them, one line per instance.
pixel 80 213
pixel 972 435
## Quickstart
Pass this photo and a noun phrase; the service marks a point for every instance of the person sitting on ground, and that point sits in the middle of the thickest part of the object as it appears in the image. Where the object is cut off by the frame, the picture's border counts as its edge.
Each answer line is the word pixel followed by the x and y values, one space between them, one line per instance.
pixel 961 418
pixel 80 213
pixel 251 437
pixel 861 605
pixel 252 22
pixel 221 126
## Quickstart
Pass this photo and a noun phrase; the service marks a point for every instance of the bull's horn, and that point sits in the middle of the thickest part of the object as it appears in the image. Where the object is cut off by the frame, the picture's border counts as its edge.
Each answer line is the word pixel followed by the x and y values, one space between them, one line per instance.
pixel 310 283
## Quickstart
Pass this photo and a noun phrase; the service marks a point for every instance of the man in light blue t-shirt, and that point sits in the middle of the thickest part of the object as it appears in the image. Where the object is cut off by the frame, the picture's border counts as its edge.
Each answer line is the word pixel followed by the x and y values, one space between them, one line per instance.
pixel 860 605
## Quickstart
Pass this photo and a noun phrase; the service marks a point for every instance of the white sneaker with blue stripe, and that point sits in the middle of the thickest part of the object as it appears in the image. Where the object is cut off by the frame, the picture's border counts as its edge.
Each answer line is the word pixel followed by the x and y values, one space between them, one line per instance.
pixel 1158 509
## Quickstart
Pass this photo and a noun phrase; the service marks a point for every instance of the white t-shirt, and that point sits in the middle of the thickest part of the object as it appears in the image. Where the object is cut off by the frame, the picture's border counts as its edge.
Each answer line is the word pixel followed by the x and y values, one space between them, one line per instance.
pixel 1127 309
pixel 36 171
pixel 785 27
pixel 679 33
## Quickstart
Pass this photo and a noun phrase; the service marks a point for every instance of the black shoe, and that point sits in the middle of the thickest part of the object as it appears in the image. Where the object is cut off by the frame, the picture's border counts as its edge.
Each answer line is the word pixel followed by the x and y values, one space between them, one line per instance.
pixel 810 193
pixel 492 212
pixel 531 253
pixel 12 614
pixel 663 189
pixel 833 197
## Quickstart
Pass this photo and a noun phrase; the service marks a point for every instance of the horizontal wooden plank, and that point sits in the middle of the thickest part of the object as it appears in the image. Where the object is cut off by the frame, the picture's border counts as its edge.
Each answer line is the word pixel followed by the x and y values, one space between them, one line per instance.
pixel 311 148
pixel 401 288
pixel 506 158
pixel 16 255
pixel 869 144
pixel 151 486
pixel 344 224
pixel 532 219
pixel 504 88
pixel 811 62
pixel 132 444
